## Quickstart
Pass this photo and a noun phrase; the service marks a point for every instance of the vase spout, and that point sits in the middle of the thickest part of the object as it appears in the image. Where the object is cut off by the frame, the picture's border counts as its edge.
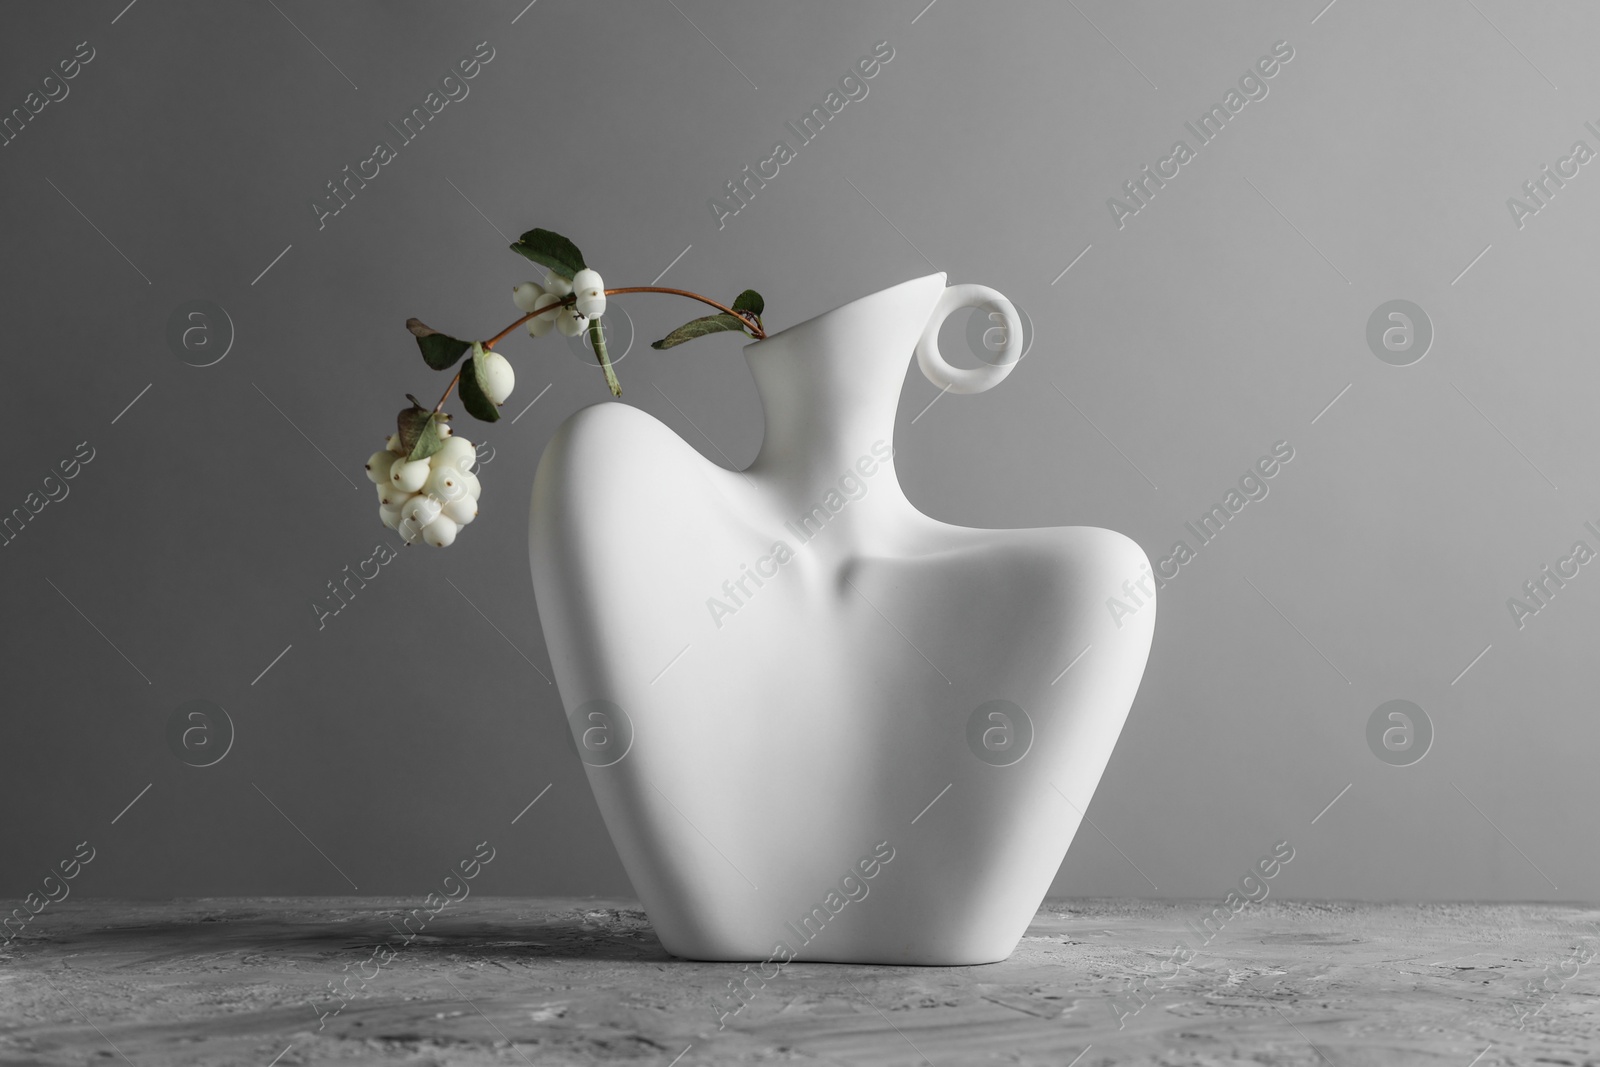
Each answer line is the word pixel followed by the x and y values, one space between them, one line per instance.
pixel 832 384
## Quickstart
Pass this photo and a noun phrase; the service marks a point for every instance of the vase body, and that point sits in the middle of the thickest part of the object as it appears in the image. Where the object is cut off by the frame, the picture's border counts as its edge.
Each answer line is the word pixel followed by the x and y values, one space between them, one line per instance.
pixel 813 717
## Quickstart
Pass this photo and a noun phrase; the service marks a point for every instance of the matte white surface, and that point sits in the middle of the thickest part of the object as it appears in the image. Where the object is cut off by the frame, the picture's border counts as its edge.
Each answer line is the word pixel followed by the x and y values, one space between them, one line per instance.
pixel 774 747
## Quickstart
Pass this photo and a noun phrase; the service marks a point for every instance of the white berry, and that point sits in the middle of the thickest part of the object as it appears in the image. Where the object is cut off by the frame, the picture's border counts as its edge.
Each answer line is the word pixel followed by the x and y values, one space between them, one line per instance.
pixel 591 292
pixel 462 510
pixel 378 465
pixel 474 487
pixel 394 444
pixel 408 530
pixel 422 509
pixel 570 323
pixel 542 324
pixel 444 483
pixel 390 517
pixel 555 283
pixel 408 475
pixel 457 452
pixel 440 533
pixel 499 378
pixel 525 294
pixel 390 497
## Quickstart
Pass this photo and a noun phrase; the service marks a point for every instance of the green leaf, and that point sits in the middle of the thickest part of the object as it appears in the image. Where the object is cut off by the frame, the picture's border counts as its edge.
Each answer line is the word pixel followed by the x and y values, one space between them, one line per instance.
pixel 474 389
pixel 550 250
pixel 440 351
pixel 431 438
pixel 597 340
pixel 750 301
pixel 699 328
pixel 419 428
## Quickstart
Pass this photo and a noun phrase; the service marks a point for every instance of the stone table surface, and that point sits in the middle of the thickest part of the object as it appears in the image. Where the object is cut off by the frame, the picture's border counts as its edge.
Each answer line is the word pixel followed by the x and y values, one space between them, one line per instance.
pixel 517 981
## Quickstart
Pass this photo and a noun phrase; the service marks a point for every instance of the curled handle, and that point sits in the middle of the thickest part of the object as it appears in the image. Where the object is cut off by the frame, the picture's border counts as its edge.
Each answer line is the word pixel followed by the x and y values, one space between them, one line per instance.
pixel 969 379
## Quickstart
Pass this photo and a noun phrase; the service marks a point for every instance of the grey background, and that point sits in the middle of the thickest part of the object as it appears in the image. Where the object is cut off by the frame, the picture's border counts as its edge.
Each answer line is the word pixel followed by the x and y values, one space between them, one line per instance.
pixel 1223 318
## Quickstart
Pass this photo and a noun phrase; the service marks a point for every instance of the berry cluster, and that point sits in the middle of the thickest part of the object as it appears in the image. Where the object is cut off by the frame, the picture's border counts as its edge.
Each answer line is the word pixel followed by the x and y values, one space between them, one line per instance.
pixel 427 499
pixel 426 489
pixel 570 320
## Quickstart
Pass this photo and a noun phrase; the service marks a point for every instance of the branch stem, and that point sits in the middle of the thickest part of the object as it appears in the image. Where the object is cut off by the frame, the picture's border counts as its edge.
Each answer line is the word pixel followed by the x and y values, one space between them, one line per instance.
pixel 754 327
pixel 749 320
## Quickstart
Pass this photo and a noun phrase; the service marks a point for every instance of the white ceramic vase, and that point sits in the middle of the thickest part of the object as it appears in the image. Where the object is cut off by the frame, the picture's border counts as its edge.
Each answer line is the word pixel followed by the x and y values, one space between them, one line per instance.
pixel 816 721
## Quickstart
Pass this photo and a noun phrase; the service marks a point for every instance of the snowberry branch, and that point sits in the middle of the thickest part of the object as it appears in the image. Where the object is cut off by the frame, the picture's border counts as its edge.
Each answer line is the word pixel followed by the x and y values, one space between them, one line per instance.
pixel 750 321
pixel 424 480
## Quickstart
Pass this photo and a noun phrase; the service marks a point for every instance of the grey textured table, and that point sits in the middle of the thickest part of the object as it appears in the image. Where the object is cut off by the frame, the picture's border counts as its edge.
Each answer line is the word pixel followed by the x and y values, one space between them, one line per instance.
pixel 507 981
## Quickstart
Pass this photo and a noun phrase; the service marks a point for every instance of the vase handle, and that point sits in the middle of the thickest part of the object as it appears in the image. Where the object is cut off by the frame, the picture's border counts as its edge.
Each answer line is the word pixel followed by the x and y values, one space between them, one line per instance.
pixel 969 379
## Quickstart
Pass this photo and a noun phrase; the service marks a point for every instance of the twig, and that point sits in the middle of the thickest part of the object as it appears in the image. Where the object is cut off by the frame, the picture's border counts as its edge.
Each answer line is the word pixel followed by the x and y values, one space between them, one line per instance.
pixel 751 323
